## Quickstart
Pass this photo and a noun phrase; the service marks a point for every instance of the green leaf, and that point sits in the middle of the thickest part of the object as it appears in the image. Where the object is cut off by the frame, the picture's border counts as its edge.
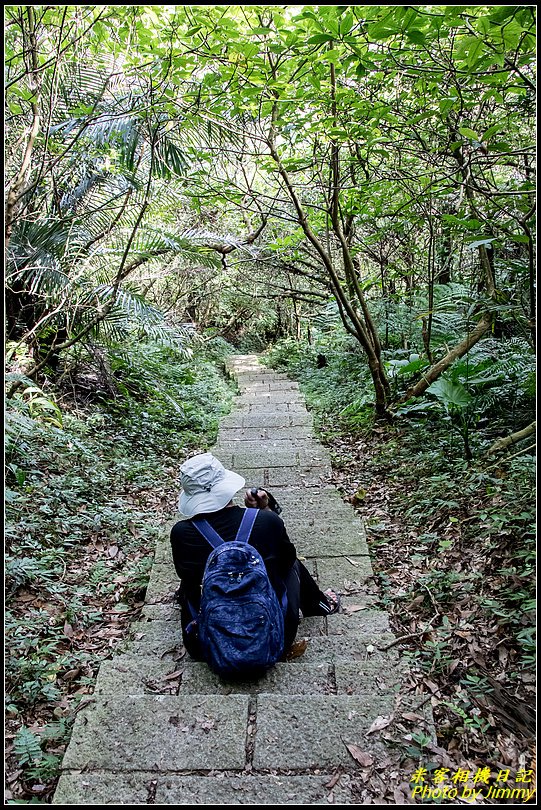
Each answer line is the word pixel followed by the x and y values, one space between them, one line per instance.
pixel 416 36
pixel 380 31
pixel 479 242
pixel 469 133
pixel 487 135
pixel 446 104
pixel 450 394
pixel 346 24
pixel 318 39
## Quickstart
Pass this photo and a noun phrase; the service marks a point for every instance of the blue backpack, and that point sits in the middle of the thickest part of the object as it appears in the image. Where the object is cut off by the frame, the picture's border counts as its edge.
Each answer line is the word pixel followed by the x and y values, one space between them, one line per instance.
pixel 240 622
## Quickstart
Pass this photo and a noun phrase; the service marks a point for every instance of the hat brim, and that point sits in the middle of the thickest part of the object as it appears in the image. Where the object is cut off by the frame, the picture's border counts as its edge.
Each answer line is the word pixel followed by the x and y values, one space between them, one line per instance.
pixel 218 497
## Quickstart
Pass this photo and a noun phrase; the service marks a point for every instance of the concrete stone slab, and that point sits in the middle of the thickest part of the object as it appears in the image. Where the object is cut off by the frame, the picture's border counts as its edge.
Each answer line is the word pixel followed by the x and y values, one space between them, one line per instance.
pixel 296 448
pixel 277 396
pixel 130 674
pixel 260 374
pixel 328 541
pixel 267 455
pixel 341 648
pixel 358 622
pixel 148 787
pixel 168 611
pixel 368 677
pixel 296 434
pixel 240 434
pixel 161 732
pixel 270 420
pixel 270 384
pixel 273 408
pixel 162 584
pixel 255 789
pixel 312 626
pixel 347 574
pixel 162 553
pixel 284 679
pixel 312 731
pixel 155 638
pixel 282 476
pixel 315 503
pixel 262 408
pixel 105 787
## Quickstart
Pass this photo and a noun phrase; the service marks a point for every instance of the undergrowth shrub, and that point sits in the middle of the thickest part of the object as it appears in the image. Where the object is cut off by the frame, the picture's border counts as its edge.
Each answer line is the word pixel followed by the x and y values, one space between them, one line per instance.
pixel 333 373
pixel 86 498
pixel 461 531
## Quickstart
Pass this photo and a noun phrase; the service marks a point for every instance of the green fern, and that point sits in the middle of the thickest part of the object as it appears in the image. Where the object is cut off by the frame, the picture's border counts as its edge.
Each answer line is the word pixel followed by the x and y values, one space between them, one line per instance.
pixel 20 571
pixel 27 747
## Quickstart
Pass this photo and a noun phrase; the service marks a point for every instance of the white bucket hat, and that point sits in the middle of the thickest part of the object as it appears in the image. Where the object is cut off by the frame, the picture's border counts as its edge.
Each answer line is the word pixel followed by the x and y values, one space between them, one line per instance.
pixel 206 485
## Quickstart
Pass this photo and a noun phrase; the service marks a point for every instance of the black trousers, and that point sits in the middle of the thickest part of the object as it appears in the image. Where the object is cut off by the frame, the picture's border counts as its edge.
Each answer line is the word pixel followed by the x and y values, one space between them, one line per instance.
pixel 303 596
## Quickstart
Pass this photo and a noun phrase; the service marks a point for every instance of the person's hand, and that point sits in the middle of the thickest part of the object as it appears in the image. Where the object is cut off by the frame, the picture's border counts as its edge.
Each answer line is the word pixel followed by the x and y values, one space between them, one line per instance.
pixel 256 501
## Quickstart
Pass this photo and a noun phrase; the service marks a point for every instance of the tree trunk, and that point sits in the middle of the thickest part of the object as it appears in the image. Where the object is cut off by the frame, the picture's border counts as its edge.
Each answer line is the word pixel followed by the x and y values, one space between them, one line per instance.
pixel 506 441
pixel 17 189
pixel 457 351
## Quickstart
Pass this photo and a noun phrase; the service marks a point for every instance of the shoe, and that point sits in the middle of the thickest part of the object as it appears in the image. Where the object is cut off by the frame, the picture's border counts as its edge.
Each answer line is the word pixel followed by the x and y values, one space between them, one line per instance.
pixel 333 599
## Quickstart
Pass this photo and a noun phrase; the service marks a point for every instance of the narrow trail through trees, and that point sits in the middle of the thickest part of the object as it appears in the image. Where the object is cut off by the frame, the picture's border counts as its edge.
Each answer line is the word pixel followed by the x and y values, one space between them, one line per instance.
pixel 162 729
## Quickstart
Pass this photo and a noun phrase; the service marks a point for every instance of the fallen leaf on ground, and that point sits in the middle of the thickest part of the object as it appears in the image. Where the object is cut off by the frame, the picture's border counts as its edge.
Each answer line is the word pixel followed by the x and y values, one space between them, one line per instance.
pixel 173 675
pixel 379 723
pixel 333 780
pixel 297 649
pixel 362 757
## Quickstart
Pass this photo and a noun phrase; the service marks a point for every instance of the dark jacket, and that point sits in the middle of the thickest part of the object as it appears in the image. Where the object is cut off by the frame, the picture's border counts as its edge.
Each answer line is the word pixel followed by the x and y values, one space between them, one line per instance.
pixel 191 550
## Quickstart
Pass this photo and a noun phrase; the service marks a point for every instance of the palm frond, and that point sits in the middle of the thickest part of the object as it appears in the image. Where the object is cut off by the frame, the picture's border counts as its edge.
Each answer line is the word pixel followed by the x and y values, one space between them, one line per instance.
pixel 170 159
pixel 132 314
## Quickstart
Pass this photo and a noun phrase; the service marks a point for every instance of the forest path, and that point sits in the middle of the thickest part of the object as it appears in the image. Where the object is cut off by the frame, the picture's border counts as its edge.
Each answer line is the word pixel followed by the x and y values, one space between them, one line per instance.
pixel 162 729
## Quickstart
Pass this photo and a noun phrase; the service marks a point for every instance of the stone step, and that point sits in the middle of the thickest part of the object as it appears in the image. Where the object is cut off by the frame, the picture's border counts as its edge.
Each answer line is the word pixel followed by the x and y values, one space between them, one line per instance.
pixel 264 400
pixel 264 455
pixel 346 574
pixel 297 434
pixel 353 638
pixel 270 384
pixel 271 408
pixel 267 420
pixel 130 674
pixel 160 732
pixel 308 475
pixel 227 731
pixel 170 611
pixel 149 787
pixel 288 450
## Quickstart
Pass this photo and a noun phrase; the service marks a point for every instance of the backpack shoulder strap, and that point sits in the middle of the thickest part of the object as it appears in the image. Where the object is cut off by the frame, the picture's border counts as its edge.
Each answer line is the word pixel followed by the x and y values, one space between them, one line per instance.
pixel 246 525
pixel 210 535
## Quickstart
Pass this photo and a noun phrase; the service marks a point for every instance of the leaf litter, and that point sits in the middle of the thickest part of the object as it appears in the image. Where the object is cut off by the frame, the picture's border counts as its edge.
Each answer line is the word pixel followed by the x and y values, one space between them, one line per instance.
pixel 481 694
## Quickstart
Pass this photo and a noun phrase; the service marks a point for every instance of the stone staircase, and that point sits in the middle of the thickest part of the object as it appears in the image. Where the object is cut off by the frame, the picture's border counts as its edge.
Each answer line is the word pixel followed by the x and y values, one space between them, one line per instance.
pixel 162 729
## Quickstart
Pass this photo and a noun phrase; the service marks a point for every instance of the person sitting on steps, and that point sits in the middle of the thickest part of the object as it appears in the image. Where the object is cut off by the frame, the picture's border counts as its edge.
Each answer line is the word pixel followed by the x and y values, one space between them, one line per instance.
pixel 207 491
